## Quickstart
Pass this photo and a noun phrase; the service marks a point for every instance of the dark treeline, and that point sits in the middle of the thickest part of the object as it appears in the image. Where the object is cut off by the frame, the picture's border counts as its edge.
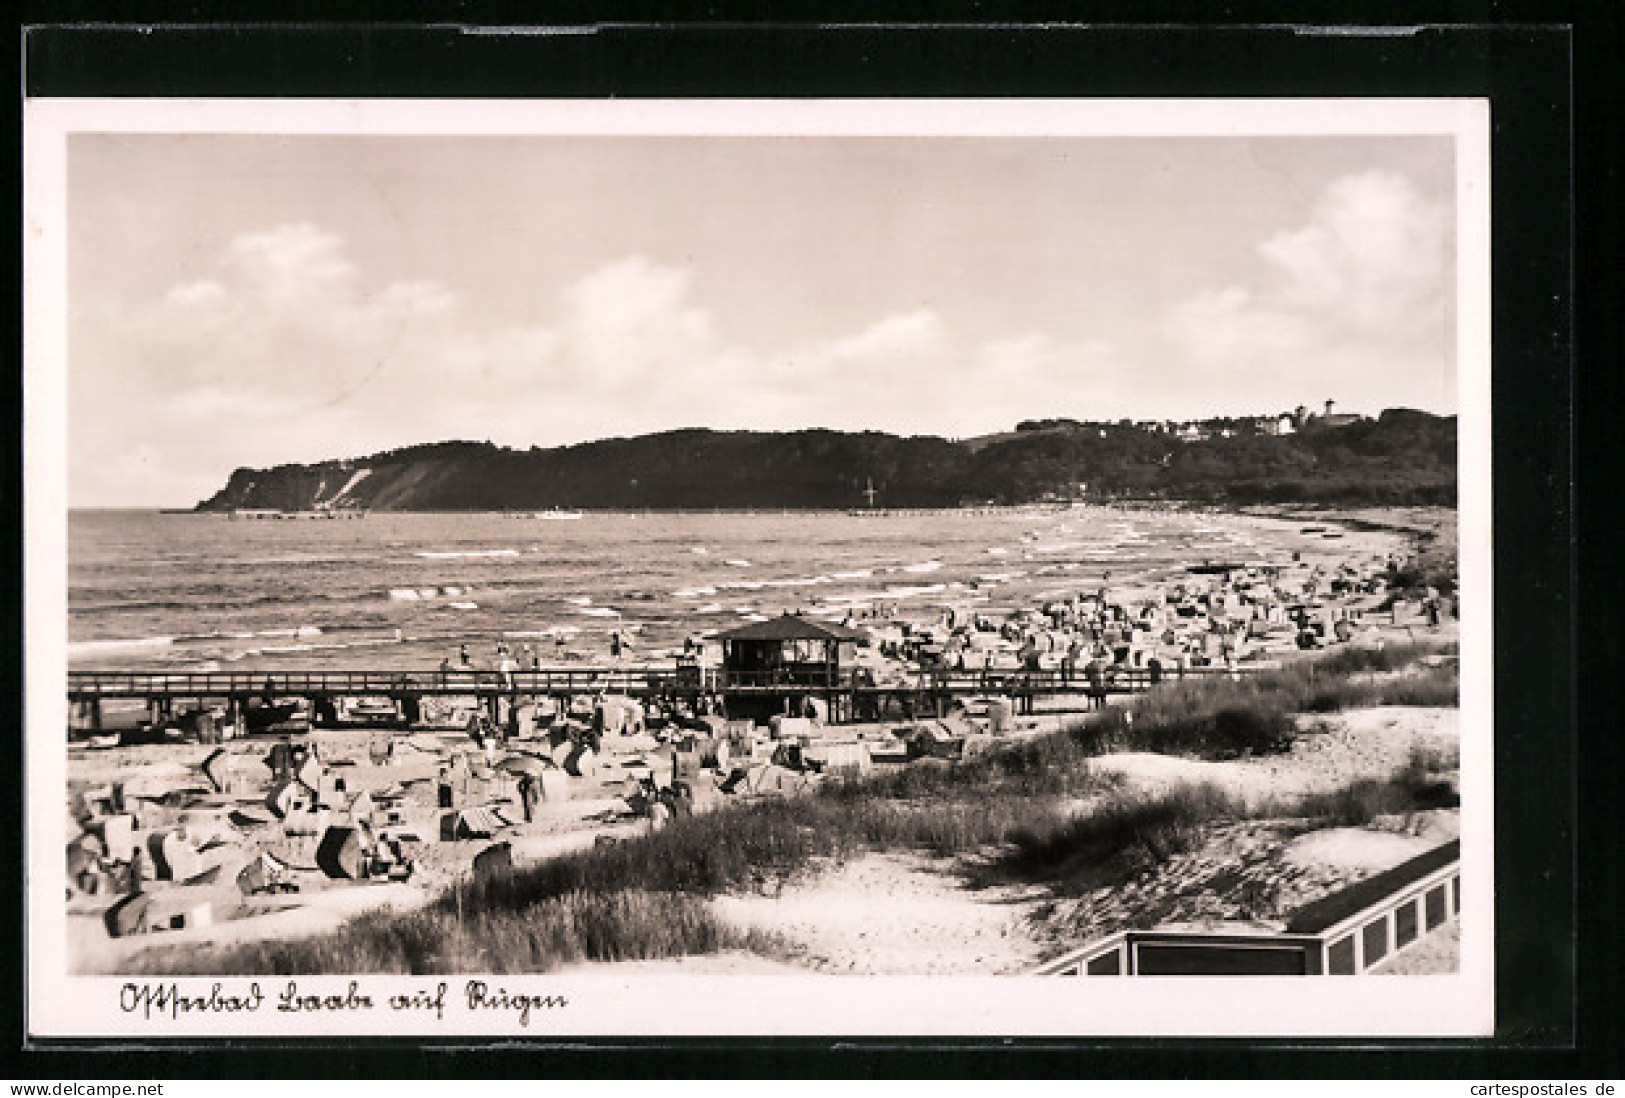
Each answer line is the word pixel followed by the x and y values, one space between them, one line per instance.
pixel 1402 457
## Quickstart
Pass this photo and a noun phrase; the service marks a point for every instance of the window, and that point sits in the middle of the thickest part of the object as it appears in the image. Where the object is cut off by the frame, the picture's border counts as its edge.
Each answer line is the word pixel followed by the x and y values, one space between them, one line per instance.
pixel 1405 931
pixel 1340 957
pixel 1434 905
pixel 1107 964
pixel 1374 937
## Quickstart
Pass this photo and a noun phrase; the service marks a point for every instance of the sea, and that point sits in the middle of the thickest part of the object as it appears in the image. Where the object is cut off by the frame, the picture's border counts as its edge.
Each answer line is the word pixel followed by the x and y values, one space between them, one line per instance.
pixel 388 591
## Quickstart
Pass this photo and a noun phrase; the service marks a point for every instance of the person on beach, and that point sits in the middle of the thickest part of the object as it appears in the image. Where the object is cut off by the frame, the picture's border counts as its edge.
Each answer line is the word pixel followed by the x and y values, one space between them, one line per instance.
pixel 505 667
pixel 527 796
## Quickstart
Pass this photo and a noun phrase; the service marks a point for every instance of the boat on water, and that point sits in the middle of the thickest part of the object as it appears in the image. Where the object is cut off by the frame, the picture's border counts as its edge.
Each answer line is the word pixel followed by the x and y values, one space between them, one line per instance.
pixel 555 514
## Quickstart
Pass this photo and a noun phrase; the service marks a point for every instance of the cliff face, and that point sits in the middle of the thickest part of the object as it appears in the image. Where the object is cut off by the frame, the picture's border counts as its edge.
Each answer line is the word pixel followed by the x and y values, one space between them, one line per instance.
pixel 1402 457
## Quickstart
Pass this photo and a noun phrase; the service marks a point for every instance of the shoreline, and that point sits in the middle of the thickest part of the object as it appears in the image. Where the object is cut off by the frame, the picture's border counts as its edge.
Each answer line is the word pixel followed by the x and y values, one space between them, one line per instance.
pixel 1305 508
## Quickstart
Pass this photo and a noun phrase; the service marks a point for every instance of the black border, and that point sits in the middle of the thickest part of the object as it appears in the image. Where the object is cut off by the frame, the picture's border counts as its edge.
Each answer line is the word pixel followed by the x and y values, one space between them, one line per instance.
pixel 1523 68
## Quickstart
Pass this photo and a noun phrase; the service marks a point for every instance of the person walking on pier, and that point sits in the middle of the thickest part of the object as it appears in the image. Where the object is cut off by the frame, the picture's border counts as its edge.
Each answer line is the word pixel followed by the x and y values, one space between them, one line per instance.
pixel 1095 673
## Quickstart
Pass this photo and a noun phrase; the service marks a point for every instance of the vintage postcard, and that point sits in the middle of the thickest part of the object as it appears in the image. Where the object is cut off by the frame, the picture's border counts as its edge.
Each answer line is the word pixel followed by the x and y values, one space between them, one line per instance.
pixel 951 567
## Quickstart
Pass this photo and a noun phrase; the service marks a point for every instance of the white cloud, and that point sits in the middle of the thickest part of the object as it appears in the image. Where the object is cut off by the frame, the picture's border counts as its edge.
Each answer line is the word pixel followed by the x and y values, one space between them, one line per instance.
pixel 1375 254
pixel 1357 306
pixel 630 319
pixel 913 336
pixel 293 262
pixel 201 294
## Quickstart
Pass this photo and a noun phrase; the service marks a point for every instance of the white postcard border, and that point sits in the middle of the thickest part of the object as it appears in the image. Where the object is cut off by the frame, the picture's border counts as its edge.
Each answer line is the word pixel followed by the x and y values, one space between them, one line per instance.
pixel 60 1005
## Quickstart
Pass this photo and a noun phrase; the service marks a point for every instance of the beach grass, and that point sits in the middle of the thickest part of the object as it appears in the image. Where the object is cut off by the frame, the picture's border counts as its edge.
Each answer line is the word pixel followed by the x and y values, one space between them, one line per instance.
pixel 448 937
pixel 1125 834
pixel 1256 714
pixel 1415 787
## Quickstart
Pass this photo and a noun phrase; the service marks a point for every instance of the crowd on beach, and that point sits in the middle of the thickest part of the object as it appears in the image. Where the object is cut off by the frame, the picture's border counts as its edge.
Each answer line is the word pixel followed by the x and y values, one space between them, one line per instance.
pixel 1212 616
pixel 1220 616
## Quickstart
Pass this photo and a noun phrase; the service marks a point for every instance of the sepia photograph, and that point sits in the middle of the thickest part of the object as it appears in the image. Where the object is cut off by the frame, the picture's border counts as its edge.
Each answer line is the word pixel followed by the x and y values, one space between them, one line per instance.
pixel 759 567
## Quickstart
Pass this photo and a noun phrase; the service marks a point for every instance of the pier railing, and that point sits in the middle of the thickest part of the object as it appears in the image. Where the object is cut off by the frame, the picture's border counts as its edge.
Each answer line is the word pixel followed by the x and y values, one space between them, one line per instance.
pixel 1344 934
pixel 649 680
pixel 88 685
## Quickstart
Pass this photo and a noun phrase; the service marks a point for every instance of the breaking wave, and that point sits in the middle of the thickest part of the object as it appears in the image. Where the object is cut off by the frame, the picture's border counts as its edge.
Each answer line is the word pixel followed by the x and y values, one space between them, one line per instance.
pixel 465 554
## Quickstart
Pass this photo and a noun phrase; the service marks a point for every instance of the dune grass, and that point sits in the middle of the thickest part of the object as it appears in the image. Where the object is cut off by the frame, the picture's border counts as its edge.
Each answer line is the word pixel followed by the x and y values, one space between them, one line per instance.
pixel 1126 834
pixel 1130 833
pixel 1227 719
pixel 1415 787
pixel 444 938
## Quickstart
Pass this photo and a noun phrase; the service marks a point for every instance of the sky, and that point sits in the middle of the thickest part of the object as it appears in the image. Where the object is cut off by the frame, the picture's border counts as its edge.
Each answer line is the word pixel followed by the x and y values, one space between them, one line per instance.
pixel 252 300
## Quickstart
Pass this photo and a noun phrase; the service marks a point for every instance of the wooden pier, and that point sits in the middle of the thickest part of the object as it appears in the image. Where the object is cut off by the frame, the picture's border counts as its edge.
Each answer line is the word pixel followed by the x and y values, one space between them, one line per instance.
pixel 849 696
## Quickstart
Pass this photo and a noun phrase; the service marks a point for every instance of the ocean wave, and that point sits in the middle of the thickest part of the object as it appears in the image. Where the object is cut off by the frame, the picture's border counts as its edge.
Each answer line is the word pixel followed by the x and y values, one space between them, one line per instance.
pixel 907 592
pixel 299 559
pixel 297 631
pixel 857 574
pixel 427 594
pixel 465 554
pixel 464 605
pixel 548 633
pixel 736 563
pixel 923 566
pixel 693 592
pixel 598 611
pixel 117 644
pixel 212 596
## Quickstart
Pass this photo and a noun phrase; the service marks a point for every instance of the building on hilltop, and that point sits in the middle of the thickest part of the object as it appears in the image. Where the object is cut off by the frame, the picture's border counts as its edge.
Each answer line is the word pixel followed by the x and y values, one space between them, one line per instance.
pixel 1305 420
